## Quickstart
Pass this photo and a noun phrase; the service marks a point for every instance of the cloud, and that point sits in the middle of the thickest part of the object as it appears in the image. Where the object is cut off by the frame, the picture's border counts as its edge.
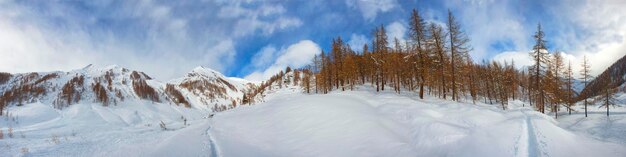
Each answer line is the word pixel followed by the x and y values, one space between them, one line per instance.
pixel 357 41
pixel 590 28
pixel 488 23
pixel 249 20
pixel 520 58
pixel 264 57
pixel 296 55
pixel 396 30
pixel 370 8
pixel 598 31
pixel 146 35
pixel 498 28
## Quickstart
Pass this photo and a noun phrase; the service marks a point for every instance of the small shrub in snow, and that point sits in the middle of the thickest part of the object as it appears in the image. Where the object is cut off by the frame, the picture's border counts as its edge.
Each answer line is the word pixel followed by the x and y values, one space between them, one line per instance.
pixel 162 125
pixel 10 133
pixel 55 139
pixel 24 150
pixel 184 120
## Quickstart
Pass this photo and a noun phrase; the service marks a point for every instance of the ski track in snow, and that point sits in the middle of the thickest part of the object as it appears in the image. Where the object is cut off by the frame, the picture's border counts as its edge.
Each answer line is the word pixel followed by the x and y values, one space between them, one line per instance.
pixel 531 143
pixel 532 138
pixel 211 143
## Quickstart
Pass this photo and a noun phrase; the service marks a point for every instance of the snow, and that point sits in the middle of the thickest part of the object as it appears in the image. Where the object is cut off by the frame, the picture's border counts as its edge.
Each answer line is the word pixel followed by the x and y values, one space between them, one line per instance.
pixel 365 123
pixel 291 123
pixel 597 125
pixel 129 128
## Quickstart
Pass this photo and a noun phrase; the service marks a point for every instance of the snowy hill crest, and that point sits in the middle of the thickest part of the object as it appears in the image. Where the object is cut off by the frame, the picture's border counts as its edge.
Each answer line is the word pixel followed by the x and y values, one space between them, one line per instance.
pixel 201 88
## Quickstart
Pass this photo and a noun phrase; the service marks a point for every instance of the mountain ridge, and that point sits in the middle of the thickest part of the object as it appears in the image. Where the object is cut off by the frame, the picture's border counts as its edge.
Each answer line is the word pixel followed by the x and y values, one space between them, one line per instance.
pixel 201 88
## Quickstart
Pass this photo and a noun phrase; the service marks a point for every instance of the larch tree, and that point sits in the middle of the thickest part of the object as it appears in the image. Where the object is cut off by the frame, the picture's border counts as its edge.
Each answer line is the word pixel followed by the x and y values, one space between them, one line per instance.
pixel 337 55
pixel 417 30
pixel 459 46
pixel 586 77
pixel 540 59
pixel 569 88
pixel 471 77
pixel 437 45
pixel 557 63
pixel 380 48
pixel 609 99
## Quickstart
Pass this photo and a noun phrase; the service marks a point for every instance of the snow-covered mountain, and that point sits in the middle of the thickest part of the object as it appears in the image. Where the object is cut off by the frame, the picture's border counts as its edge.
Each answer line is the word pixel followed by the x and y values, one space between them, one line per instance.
pixel 206 88
pixel 201 88
pixel 612 77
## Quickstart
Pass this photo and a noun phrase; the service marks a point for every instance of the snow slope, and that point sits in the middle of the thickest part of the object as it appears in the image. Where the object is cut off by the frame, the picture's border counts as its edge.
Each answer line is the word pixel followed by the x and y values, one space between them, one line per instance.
pixel 365 123
pixel 290 123
pixel 130 128
pixel 202 88
pixel 597 125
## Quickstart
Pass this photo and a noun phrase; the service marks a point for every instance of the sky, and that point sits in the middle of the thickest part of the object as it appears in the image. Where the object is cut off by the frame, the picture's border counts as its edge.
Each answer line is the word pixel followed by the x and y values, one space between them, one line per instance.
pixel 255 39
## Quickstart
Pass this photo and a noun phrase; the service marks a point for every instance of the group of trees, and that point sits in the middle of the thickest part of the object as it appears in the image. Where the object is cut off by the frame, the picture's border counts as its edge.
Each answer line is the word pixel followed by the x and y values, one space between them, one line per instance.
pixel 435 61
pixel 550 82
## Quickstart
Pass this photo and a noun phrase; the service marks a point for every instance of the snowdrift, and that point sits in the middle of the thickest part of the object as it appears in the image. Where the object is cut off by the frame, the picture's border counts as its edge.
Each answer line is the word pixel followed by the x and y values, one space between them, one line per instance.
pixel 365 123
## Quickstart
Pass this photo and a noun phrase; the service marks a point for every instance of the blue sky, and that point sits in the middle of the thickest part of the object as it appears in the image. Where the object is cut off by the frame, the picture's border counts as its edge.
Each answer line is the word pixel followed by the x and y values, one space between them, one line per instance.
pixel 254 39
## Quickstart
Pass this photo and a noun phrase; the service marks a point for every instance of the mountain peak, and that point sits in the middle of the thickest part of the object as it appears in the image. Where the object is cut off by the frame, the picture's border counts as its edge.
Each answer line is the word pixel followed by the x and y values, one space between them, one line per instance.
pixel 88 66
pixel 204 71
pixel 92 67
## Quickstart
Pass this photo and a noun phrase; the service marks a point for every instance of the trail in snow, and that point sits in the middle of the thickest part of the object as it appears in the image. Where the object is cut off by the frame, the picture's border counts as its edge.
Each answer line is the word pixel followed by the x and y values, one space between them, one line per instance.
pixel 189 141
pixel 535 142
pixel 532 138
pixel 211 143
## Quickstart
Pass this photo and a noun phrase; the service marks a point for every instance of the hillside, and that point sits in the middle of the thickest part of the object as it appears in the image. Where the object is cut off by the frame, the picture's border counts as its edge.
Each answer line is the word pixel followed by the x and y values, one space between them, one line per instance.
pixel 369 123
pixel 612 77
pixel 201 88
pixel 289 122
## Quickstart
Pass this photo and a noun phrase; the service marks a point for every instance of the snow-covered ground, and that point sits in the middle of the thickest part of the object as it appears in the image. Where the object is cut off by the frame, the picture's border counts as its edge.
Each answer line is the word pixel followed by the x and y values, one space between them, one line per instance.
pixel 131 128
pixel 597 125
pixel 366 123
pixel 289 123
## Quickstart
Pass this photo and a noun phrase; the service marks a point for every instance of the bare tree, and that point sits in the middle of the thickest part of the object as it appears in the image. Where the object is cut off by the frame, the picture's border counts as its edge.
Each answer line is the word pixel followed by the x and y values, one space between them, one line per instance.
pixel 586 77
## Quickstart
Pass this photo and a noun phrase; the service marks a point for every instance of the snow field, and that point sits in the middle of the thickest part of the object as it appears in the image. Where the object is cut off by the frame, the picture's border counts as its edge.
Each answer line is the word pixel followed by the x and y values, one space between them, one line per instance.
pixel 365 123
pixel 290 123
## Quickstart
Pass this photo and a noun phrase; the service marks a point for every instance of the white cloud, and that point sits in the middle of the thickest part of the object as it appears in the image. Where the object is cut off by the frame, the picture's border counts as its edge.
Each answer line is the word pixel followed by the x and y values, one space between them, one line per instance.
pixel 143 35
pixel 370 8
pixel 593 28
pixel 265 57
pixel 520 58
pixel 357 41
pixel 605 23
pixel 295 56
pixel 396 30
pixel 487 22
pixel 523 59
pixel 261 18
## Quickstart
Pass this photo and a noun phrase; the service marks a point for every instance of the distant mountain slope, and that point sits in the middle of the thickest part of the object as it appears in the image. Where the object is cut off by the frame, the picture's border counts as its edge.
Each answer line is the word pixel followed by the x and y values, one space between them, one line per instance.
pixel 611 78
pixel 205 88
pixel 202 88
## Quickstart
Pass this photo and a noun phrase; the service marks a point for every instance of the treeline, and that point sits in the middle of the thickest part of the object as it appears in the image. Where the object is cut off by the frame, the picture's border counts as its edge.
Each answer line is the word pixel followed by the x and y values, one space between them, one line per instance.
pixel 435 61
